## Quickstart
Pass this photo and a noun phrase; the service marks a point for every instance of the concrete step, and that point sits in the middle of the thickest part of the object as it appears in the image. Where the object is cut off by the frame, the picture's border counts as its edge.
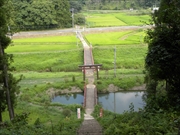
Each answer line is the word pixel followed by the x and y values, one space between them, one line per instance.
pixel 88 117
pixel 90 127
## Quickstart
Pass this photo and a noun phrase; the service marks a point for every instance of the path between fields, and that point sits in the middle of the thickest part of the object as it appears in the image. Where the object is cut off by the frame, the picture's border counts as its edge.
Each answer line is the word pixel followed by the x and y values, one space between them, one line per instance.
pixel 70 30
pixel 89 126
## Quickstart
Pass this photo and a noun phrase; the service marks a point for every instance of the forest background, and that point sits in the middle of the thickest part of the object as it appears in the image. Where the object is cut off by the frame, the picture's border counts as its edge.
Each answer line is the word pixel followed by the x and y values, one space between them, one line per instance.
pixel 38 14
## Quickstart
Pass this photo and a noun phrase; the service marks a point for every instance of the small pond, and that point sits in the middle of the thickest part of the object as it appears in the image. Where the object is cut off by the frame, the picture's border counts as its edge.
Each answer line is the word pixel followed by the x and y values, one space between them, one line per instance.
pixel 67 99
pixel 119 102
pixel 116 102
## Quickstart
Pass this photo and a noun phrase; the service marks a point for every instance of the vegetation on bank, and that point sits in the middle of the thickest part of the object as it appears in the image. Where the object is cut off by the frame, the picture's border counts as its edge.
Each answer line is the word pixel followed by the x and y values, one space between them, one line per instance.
pixel 143 122
pixel 43 118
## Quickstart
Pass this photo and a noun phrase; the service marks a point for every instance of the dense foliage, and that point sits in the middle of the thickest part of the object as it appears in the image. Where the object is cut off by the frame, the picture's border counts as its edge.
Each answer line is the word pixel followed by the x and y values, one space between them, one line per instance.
pixel 162 60
pixel 9 88
pixel 114 4
pixel 138 123
pixel 58 121
pixel 36 14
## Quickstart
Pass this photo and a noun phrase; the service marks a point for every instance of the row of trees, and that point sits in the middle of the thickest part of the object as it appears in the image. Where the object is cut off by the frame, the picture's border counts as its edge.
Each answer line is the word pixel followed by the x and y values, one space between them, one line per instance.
pixel 116 4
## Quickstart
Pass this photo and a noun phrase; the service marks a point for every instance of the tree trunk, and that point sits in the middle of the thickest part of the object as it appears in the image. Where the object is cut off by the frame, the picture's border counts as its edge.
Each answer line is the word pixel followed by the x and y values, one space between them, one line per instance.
pixel 5 78
pixel 0 113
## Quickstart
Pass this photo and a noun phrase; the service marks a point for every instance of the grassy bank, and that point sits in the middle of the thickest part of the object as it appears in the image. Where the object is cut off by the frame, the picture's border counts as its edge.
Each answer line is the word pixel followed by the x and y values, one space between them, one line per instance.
pixel 49 119
pixel 141 122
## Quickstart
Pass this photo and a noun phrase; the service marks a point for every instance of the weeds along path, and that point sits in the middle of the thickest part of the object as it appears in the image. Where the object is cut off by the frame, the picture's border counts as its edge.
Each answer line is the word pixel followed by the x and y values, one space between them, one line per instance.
pixel 89 126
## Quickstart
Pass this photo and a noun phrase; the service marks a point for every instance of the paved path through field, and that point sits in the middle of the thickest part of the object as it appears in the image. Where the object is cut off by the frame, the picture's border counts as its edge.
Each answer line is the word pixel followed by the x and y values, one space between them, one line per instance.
pixel 90 126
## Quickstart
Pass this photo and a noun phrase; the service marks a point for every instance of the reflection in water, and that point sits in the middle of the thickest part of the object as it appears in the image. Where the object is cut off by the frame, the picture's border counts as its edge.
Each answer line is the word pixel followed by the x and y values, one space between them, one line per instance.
pixel 119 102
pixel 116 102
pixel 69 99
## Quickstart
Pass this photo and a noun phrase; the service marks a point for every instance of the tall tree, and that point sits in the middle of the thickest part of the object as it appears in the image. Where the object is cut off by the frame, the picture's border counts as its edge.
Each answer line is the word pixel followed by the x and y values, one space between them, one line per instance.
pixel 163 57
pixel 8 83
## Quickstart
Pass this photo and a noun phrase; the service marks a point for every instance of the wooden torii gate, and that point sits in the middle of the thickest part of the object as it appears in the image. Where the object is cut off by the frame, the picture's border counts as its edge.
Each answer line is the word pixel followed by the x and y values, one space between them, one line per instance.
pixel 90 66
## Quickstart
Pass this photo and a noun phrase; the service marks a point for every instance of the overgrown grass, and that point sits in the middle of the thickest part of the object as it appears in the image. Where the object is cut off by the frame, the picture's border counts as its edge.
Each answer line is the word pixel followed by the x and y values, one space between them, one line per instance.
pixel 34 90
pixel 123 81
pixel 31 78
pixel 56 118
pixel 140 122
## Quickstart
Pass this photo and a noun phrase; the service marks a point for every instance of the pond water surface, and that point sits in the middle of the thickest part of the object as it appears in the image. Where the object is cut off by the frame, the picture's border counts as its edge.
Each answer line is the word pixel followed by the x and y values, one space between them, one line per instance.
pixel 69 99
pixel 119 102
pixel 116 102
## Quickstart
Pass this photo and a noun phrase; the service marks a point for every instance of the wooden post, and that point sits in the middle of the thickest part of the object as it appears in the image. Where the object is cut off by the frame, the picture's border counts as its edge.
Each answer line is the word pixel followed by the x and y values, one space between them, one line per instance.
pixel 115 61
pixel 101 112
pixel 84 72
pixel 5 79
pixel 97 72
pixel 78 113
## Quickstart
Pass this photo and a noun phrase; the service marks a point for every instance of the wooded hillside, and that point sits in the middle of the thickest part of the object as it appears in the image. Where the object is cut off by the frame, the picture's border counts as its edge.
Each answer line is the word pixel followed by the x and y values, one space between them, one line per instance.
pixel 45 14
pixel 115 4
pixel 41 14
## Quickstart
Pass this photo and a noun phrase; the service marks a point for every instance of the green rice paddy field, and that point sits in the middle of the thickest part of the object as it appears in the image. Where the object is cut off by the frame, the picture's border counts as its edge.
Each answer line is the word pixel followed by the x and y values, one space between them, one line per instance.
pixel 52 62
pixel 115 19
pixel 128 37
pixel 44 58
pixel 44 44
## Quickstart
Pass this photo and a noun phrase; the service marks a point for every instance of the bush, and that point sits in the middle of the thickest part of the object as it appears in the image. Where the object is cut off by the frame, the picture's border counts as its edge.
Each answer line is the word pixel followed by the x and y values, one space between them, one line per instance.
pixel 66 112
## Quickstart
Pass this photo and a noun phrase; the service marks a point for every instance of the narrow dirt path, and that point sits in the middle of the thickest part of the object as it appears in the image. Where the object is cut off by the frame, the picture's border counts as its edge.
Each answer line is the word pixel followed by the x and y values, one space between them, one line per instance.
pixel 89 126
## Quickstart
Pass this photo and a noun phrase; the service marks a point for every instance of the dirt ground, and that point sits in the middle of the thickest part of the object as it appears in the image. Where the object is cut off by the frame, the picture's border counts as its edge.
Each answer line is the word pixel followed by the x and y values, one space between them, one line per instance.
pixel 34 34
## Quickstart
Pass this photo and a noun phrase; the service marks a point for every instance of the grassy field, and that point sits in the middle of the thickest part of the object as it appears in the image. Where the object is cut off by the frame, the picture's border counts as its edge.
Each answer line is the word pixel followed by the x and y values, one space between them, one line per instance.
pixel 127 37
pixel 52 62
pixel 49 62
pixel 130 54
pixel 115 19
pixel 41 63
pixel 127 57
pixel 44 44
pixel 51 119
